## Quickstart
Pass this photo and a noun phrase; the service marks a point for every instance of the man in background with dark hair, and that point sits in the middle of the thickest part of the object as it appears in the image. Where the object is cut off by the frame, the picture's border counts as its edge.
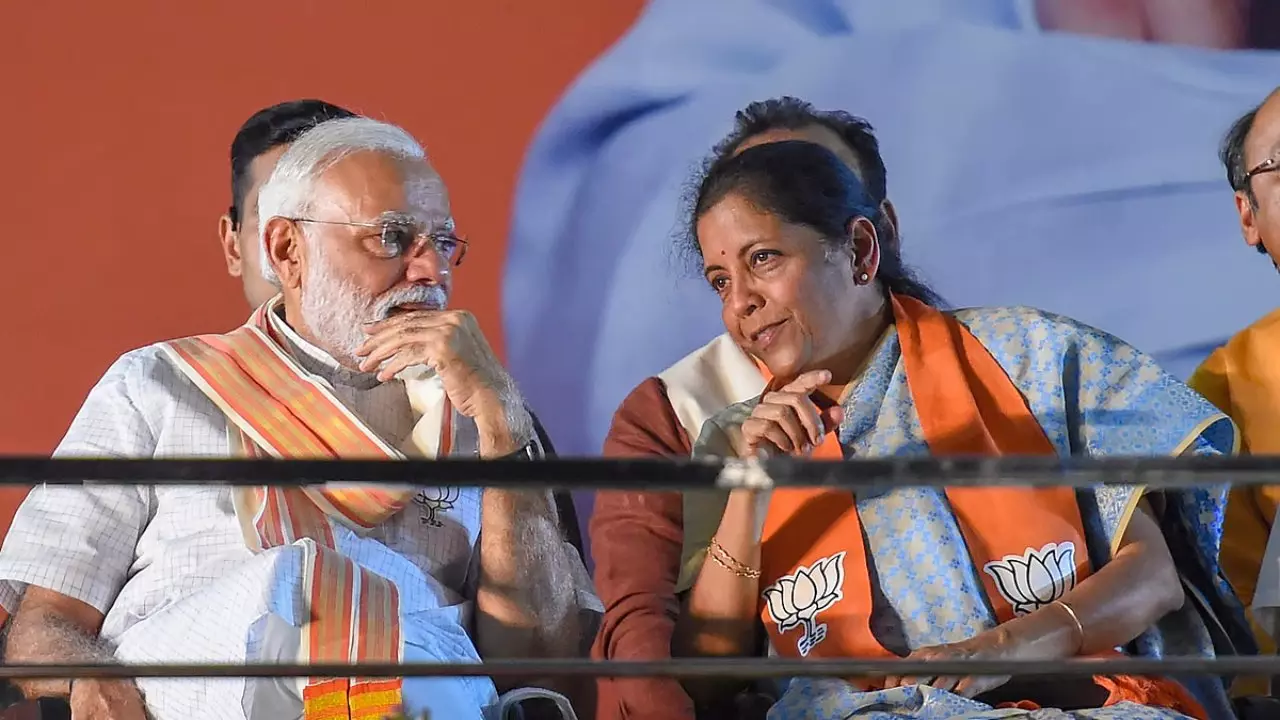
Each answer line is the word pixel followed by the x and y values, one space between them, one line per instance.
pixel 850 138
pixel 663 416
pixel 1242 377
pixel 257 146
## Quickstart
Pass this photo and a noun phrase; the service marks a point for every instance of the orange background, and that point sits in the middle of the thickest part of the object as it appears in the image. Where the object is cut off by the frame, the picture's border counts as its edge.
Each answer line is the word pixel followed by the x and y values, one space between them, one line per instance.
pixel 117 121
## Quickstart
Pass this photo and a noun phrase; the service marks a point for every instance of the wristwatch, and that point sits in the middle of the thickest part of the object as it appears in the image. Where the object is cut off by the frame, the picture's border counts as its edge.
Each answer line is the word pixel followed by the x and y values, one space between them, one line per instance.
pixel 531 450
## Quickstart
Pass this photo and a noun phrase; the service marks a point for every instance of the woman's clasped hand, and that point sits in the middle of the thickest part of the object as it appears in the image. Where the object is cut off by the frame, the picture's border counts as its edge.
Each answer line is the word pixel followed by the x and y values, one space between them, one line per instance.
pixel 788 421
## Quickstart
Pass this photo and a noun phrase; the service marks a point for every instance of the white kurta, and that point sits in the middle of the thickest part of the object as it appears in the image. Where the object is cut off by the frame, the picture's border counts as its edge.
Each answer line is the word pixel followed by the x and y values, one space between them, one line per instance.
pixel 169 568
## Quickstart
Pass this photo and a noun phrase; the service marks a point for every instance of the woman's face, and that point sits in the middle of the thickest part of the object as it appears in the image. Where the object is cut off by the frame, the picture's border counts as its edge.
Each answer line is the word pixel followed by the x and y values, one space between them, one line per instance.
pixel 784 301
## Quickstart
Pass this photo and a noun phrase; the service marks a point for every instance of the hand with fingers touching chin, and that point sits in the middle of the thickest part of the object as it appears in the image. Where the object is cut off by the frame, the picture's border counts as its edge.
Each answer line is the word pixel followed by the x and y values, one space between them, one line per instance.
pixel 450 342
pixel 787 421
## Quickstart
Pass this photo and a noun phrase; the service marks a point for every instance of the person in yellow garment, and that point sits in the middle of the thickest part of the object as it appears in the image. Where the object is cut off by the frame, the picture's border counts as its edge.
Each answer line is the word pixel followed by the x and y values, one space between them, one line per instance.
pixel 1242 377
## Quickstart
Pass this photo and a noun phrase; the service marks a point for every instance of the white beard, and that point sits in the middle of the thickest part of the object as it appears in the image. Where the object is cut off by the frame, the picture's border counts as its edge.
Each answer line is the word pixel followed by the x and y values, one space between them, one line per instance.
pixel 335 310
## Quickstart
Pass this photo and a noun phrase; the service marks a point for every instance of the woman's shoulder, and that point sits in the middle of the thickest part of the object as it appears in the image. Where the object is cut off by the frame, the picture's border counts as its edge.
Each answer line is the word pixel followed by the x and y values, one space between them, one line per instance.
pixel 1019 323
pixel 1038 348
pixel 1018 315
pixel 1076 375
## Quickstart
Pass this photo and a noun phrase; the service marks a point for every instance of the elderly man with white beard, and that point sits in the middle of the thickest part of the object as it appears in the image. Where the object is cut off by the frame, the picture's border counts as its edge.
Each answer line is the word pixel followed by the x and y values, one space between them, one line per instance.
pixel 358 357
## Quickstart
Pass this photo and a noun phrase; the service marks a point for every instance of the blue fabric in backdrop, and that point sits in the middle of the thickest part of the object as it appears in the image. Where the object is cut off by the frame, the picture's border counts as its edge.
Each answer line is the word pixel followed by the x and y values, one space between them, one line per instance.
pixel 1074 174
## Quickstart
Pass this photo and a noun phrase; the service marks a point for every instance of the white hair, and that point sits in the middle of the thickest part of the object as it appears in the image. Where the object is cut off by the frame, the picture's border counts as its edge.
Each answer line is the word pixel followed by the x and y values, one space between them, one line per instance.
pixel 287 193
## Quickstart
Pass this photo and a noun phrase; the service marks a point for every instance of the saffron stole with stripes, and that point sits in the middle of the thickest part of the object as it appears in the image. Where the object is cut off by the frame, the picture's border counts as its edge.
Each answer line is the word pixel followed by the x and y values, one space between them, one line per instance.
pixel 275 409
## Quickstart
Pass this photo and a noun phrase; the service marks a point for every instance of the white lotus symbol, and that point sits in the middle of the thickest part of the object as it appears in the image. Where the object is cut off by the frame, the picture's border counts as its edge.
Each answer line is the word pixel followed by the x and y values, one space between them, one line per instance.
pixel 435 501
pixel 1034 579
pixel 795 599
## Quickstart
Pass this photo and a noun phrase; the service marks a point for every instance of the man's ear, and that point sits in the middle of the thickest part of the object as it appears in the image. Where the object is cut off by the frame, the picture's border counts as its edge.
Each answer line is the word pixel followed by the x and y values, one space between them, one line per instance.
pixel 1248 221
pixel 283 240
pixel 229 239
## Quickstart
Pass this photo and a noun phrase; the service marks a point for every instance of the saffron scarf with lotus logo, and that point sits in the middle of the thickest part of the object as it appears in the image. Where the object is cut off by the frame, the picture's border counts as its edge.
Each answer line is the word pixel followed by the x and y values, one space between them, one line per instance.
pixel 952 563
pixel 276 409
pixel 1025 540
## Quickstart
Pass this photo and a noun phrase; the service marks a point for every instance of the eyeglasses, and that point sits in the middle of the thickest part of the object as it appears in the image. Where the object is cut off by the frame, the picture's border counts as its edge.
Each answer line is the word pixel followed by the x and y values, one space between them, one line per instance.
pixel 1263 167
pixel 396 239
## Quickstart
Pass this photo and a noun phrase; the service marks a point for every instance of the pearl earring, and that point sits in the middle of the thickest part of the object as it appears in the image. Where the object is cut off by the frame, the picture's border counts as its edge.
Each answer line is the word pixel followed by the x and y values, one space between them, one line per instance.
pixel 863 279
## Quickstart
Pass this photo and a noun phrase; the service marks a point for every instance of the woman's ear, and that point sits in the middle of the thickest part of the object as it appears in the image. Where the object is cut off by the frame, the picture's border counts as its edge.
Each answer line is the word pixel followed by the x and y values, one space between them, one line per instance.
pixel 866 249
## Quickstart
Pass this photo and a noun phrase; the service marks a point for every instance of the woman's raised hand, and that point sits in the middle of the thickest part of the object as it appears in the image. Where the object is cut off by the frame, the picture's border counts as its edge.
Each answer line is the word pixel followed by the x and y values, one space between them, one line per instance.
pixel 788 421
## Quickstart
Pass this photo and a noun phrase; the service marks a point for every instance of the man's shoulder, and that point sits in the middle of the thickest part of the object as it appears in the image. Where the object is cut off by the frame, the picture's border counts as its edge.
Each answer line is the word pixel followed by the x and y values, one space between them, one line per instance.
pixel 651 392
pixel 651 398
pixel 148 362
pixel 709 379
pixel 142 377
pixel 146 355
pixel 645 424
pixel 128 411
pixel 1265 330
pixel 719 357
pixel 1251 351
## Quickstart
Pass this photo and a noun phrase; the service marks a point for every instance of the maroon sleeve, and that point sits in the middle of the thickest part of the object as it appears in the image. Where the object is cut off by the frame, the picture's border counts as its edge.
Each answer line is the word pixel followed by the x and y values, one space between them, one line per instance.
pixel 636 539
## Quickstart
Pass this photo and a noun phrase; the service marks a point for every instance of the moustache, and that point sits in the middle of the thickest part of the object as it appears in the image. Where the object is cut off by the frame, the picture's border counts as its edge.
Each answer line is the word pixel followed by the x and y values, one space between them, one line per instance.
pixel 433 297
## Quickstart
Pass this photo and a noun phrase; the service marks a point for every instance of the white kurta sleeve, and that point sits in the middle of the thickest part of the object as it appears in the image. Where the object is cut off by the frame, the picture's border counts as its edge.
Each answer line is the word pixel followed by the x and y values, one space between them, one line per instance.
pixel 81 541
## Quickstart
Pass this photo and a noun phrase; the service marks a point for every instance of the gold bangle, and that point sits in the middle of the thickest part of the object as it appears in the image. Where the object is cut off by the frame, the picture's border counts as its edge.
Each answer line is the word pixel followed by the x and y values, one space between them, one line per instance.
pixel 722 558
pixel 1075 619
pixel 726 560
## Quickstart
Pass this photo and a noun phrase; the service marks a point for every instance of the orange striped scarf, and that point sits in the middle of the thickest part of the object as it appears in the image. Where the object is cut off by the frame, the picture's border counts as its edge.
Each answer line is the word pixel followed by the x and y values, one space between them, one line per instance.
pixel 278 410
